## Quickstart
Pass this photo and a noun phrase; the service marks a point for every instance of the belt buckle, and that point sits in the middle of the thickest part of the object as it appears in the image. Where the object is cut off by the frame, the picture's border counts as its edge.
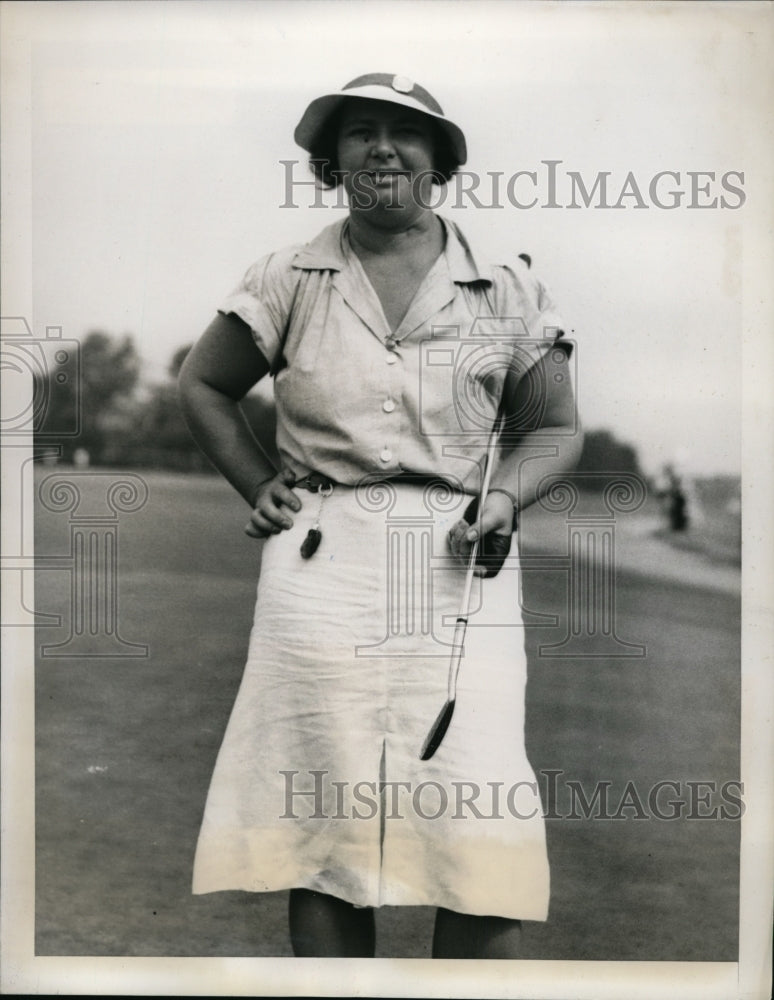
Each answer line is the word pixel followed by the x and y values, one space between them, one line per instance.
pixel 316 483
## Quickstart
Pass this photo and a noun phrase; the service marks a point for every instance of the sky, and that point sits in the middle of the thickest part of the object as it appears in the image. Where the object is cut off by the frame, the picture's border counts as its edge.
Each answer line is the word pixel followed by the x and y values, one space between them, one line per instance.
pixel 158 131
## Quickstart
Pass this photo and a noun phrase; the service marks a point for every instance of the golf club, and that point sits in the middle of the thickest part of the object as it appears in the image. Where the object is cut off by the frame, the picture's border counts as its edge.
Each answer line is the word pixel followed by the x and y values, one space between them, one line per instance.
pixel 441 724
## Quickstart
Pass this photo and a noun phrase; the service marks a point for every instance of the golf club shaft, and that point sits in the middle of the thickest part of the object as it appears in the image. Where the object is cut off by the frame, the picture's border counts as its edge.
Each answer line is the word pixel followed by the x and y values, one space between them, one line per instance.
pixel 458 642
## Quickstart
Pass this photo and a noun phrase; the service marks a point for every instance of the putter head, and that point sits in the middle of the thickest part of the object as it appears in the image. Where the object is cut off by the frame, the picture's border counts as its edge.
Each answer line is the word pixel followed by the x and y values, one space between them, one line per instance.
pixel 437 732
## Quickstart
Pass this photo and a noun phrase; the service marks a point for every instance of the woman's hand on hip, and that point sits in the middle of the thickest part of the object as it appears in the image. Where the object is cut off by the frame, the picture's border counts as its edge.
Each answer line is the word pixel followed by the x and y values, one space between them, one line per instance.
pixel 495 526
pixel 274 496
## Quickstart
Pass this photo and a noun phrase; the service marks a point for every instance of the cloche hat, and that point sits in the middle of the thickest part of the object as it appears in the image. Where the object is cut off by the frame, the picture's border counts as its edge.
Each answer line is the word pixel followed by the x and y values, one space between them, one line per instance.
pixel 379 87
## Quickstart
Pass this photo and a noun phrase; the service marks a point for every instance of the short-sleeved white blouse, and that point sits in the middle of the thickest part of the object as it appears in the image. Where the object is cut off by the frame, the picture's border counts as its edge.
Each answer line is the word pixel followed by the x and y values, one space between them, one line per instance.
pixel 356 399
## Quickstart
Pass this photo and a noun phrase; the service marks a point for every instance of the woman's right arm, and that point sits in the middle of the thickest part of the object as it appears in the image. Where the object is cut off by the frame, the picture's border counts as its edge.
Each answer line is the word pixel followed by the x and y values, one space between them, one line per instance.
pixel 219 371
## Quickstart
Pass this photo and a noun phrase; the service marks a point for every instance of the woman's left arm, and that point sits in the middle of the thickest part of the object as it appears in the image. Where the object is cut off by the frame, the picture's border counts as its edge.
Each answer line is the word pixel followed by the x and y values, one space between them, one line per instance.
pixel 548 444
pixel 550 440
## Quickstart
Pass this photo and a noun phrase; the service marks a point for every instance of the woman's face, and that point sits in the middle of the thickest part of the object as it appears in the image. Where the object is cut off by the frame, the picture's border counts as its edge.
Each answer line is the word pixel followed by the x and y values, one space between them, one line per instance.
pixel 385 153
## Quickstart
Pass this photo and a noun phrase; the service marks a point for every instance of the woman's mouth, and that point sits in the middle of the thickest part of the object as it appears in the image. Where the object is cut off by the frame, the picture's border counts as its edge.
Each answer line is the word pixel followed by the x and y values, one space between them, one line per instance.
pixel 385 176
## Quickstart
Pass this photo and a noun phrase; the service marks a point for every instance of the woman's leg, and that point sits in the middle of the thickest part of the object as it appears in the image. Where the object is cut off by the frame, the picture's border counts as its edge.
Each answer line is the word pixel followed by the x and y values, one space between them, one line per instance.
pixel 462 935
pixel 326 927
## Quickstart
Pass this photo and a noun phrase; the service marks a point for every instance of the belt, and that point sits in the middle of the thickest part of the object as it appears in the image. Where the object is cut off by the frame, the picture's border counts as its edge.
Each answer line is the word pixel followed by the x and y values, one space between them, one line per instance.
pixel 315 481
pixel 494 548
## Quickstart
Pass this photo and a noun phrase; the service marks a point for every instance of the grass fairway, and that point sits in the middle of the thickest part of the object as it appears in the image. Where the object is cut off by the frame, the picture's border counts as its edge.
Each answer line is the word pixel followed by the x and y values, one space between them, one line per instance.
pixel 125 748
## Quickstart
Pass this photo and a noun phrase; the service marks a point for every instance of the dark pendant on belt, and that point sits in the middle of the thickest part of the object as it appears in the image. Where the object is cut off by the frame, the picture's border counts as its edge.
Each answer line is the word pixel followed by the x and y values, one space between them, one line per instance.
pixel 314 536
pixel 311 543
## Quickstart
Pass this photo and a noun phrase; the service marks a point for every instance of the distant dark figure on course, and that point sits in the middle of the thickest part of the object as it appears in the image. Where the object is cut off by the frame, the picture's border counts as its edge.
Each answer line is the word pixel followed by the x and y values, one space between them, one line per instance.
pixel 675 500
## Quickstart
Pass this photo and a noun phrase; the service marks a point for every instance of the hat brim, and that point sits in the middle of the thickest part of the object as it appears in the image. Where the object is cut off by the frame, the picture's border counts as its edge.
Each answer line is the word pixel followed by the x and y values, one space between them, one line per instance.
pixel 321 108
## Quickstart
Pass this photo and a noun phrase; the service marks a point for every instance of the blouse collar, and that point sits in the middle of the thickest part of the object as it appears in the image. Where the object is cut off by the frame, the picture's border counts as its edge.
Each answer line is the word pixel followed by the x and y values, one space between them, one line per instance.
pixel 324 253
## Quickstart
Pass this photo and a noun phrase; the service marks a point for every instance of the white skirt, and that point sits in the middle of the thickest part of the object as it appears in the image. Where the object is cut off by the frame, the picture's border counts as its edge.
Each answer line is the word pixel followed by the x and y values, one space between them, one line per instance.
pixel 318 783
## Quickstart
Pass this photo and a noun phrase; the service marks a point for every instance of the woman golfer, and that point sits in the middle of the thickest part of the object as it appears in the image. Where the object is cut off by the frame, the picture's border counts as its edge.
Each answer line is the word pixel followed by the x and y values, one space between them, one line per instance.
pixel 396 349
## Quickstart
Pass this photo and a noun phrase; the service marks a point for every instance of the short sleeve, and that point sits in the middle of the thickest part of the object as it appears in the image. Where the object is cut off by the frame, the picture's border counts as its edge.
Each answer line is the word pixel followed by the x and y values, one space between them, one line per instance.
pixel 523 296
pixel 264 298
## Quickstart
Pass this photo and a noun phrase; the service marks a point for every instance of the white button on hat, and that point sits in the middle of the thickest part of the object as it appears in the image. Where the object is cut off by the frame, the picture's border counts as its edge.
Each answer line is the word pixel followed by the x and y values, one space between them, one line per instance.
pixel 388 405
pixel 385 455
pixel 402 84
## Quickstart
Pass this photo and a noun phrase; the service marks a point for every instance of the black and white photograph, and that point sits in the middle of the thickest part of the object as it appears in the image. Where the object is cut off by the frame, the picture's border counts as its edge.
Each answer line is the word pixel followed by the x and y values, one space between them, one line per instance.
pixel 387 491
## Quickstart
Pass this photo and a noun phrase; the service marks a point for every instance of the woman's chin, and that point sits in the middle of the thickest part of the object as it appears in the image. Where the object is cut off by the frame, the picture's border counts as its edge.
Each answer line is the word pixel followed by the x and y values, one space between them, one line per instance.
pixel 394 203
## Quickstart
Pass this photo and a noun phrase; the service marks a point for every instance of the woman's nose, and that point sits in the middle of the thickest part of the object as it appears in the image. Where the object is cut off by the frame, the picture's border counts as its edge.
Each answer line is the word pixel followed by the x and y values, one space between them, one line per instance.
pixel 382 143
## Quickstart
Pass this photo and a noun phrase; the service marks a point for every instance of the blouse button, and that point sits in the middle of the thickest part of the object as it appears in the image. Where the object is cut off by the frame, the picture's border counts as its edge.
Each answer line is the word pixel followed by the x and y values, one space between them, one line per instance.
pixel 388 405
pixel 385 455
pixel 391 358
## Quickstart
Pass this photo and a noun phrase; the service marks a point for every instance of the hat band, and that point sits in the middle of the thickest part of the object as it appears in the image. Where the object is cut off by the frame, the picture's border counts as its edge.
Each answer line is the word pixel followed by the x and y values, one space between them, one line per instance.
pixel 400 85
pixel 379 92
